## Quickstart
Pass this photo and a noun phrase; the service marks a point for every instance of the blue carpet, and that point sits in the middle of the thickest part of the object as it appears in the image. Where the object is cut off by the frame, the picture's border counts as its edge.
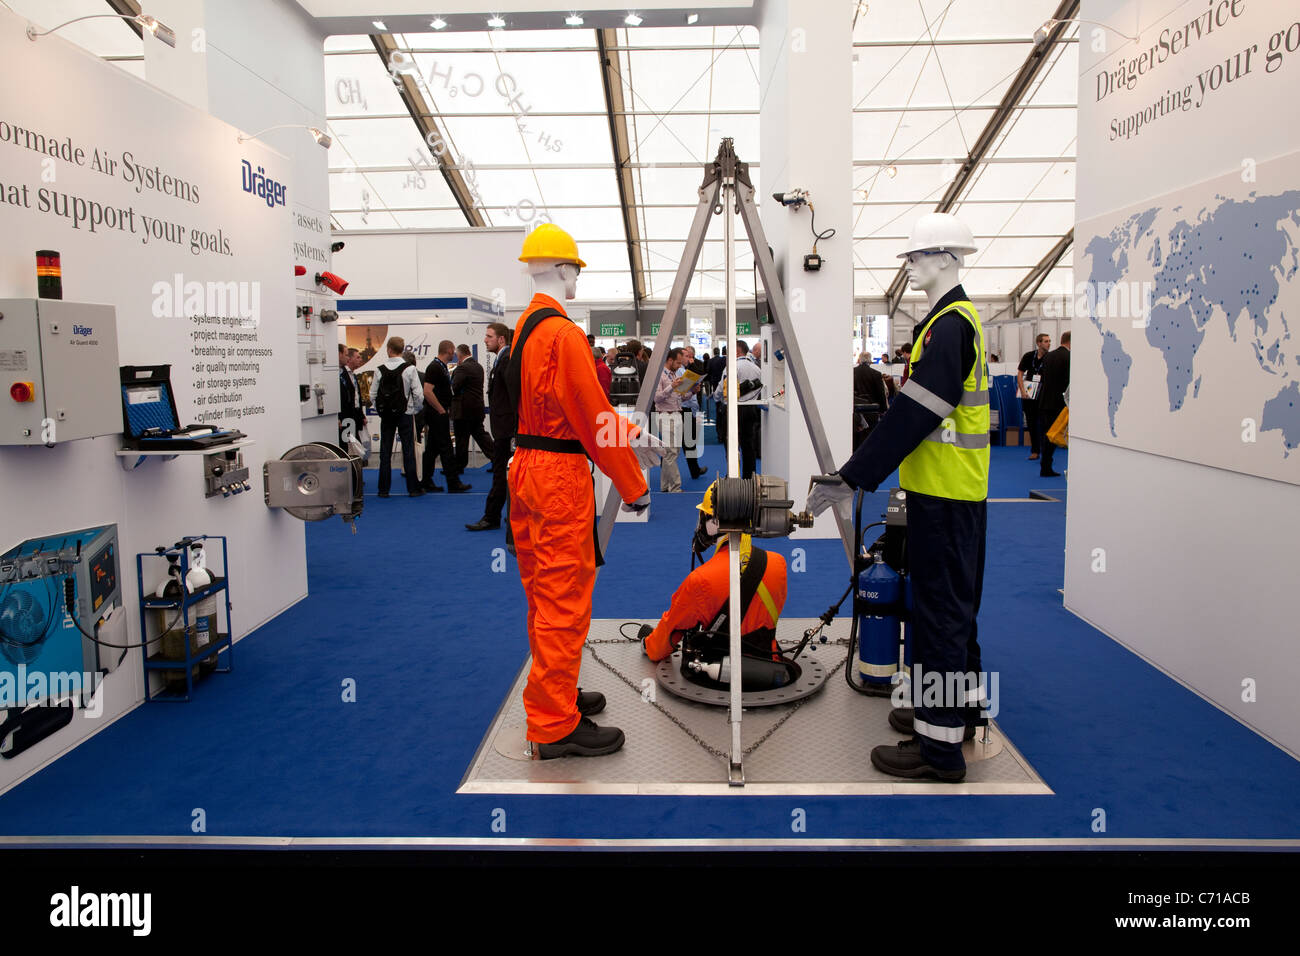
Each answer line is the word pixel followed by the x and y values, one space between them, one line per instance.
pixel 426 620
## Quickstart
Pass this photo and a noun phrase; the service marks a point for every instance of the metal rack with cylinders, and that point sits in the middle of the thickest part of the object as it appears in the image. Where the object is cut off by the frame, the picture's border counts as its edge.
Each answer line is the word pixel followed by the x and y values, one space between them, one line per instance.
pixel 182 617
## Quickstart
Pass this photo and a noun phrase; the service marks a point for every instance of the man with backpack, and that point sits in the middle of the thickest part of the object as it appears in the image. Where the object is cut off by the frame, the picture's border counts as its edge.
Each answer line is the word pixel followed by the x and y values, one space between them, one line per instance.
pixel 396 394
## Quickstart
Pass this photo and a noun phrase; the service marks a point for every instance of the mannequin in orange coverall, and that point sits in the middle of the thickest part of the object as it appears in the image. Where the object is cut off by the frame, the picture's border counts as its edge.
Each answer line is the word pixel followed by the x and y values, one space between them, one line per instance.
pixel 699 599
pixel 552 501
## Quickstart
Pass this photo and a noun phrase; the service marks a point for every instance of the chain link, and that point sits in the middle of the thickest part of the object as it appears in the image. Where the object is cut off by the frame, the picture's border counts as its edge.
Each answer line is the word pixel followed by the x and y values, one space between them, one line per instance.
pixel 721 755
pixel 709 748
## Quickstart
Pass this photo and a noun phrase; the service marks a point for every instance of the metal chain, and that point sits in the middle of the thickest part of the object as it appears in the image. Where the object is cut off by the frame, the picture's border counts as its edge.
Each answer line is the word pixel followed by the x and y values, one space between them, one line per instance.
pixel 721 755
pixel 714 751
pixel 790 713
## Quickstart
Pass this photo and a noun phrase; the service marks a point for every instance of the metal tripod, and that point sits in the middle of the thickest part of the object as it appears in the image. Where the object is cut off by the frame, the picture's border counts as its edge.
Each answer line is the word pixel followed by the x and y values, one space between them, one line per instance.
pixel 726 190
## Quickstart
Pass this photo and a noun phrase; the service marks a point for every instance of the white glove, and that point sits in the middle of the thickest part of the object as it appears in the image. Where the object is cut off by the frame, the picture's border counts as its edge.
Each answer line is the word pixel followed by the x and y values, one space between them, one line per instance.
pixel 650 451
pixel 638 506
pixel 828 493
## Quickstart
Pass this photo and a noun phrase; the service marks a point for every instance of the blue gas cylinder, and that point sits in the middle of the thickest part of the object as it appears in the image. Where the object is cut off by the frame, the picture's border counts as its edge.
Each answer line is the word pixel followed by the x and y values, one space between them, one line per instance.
pixel 879 588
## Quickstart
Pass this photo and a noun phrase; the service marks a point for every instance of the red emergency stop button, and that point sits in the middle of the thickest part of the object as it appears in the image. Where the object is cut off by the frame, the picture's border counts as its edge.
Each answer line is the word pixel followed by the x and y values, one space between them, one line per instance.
pixel 22 392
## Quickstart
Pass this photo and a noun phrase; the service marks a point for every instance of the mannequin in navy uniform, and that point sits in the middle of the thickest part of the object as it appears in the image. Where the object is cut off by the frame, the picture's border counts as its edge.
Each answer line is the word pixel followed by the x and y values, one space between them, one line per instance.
pixel 936 434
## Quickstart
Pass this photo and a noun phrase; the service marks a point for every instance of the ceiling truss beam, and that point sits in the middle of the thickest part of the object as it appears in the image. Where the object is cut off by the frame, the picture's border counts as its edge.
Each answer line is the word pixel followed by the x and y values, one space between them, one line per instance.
pixel 430 132
pixel 1029 71
pixel 621 141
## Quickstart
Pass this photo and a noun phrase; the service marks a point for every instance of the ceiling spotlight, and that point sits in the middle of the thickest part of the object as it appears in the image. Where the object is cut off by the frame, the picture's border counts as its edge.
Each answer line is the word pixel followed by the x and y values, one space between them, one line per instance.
pixel 163 32
pixel 496 23
pixel 692 19
pixel 891 171
pixel 632 20
pixel 379 25
pixel 437 23
pixel 862 194
pixel 317 134
pixel 862 7
pixel 1041 34
pixel 159 29
pixel 573 20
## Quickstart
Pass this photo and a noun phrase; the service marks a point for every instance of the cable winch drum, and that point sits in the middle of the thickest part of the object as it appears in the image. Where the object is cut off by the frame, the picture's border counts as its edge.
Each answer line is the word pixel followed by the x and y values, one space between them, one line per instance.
pixel 315 481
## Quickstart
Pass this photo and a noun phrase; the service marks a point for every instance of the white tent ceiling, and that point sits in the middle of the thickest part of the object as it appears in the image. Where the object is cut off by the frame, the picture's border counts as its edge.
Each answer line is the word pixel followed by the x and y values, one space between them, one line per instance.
pixel 928 76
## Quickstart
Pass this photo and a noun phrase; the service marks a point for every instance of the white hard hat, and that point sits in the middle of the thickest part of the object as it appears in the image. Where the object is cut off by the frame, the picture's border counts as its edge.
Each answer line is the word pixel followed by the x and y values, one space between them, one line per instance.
pixel 939 231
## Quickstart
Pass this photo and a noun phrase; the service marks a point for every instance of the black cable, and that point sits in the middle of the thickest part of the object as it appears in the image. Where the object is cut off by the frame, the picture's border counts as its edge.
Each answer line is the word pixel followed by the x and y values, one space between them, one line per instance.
pixel 70 595
pixel 853 628
pixel 626 624
pixel 734 500
pixel 818 236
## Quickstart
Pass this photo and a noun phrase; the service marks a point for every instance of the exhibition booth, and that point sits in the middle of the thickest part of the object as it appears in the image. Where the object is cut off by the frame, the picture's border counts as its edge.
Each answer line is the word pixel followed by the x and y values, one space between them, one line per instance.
pixel 180 260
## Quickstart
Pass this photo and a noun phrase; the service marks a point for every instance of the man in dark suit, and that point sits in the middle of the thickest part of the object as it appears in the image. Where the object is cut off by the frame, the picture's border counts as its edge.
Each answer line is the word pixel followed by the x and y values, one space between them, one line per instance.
pixel 351 409
pixel 1051 400
pixel 437 411
pixel 501 415
pixel 467 407
pixel 868 389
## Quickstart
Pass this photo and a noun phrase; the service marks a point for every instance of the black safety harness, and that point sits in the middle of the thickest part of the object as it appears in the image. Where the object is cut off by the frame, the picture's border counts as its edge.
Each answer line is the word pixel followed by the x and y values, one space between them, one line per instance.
pixel 757 641
pixel 514 385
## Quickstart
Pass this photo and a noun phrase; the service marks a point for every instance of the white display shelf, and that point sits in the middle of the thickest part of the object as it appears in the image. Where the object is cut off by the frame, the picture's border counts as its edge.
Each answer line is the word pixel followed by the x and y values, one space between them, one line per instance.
pixel 132 458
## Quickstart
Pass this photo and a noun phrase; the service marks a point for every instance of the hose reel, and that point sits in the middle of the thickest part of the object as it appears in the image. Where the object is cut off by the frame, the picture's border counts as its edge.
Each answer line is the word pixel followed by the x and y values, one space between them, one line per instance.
pixel 315 481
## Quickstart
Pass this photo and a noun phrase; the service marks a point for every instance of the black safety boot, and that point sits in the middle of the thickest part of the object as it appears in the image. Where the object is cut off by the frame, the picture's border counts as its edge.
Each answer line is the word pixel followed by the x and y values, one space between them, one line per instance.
pixel 901 718
pixel 905 760
pixel 590 702
pixel 587 740
pixel 645 631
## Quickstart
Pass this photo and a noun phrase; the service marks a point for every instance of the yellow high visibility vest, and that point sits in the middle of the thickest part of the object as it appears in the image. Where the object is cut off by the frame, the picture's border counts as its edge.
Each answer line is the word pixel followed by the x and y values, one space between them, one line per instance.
pixel 953 461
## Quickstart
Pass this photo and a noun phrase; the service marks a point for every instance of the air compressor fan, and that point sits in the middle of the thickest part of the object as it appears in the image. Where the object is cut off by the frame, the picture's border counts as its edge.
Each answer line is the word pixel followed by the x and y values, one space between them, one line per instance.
pixel 22 623
pixel 315 481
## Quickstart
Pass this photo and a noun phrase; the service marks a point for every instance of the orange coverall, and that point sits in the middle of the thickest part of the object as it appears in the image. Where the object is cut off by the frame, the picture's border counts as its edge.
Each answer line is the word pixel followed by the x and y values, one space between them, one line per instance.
pixel 551 508
pixel 700 597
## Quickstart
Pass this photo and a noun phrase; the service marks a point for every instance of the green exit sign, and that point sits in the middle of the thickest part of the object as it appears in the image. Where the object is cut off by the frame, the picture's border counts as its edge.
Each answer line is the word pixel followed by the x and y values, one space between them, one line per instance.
pixel 654 328
pixel 613 328
pixel 742 328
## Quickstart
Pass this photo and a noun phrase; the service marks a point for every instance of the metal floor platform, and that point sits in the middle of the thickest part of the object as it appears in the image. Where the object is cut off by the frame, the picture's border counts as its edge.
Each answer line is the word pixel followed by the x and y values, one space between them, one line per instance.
pixel 824 747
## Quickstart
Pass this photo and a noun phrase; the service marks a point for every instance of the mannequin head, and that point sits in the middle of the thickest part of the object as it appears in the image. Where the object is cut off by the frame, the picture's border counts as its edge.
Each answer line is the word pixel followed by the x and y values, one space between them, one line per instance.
pixel 557 278
pixel 933 272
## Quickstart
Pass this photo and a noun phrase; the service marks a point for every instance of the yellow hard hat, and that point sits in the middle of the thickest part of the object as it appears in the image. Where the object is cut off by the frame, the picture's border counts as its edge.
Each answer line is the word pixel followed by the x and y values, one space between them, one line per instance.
pixel 549 241
pixel 707 503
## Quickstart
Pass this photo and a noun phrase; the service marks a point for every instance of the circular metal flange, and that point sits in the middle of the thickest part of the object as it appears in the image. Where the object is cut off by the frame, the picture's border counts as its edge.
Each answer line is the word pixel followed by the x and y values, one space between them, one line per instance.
pixel 512 741
pixel 976 750
pixel 669 675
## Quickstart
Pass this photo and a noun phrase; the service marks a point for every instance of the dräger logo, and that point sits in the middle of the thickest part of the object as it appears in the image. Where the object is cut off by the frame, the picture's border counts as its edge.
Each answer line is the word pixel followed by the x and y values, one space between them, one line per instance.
pixel 102 909
pixel 261 186
pixel 82 330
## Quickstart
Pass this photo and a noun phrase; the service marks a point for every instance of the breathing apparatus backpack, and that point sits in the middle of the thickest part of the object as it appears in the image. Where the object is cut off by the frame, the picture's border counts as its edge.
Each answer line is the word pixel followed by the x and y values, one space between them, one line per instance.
pixel 625 383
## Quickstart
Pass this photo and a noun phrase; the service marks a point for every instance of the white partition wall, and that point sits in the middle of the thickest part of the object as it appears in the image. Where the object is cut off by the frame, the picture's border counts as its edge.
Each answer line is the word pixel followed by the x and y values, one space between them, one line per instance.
pixel 806 135
pixel 1184 508
pixel 143 195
